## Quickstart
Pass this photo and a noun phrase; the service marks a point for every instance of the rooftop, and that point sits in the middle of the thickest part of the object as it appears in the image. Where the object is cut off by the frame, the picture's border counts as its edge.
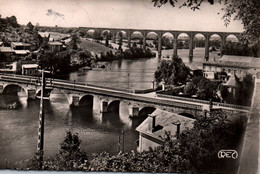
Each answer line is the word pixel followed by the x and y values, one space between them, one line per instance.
pixel 44 34
pixel 20 44
pixel 236 61
pixel 30 66
pixel 55 43
pixel 21 51
pixel 6 50
pixel 165 121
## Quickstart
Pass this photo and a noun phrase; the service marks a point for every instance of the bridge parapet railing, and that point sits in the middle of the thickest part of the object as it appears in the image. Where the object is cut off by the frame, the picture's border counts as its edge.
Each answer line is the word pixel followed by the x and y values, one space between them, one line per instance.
pixel 204 102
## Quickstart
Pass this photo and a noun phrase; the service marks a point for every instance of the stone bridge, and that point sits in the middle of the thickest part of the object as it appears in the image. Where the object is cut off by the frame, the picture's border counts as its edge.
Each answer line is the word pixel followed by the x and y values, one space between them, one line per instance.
pixel 84 95
pixel 175 33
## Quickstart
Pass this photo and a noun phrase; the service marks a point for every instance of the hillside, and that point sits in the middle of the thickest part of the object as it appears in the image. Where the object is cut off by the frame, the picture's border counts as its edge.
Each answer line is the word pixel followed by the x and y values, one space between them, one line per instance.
pixel 94 47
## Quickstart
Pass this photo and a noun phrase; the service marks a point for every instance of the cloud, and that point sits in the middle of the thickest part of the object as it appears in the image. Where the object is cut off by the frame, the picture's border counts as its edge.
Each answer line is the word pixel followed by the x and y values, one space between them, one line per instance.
pixel 55 14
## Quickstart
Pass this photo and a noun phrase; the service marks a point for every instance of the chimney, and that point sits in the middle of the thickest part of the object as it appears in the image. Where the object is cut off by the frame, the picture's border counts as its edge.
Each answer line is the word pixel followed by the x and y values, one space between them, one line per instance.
pixel 152 122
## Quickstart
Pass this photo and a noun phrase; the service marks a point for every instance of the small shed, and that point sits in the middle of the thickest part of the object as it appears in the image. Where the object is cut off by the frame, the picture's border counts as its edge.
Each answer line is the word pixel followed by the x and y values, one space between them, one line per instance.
pixel 30 69
pixel 55 46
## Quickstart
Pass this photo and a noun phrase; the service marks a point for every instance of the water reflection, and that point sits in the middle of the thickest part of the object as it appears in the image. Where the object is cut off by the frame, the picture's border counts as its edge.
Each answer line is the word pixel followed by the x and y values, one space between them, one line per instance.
pixel 98 131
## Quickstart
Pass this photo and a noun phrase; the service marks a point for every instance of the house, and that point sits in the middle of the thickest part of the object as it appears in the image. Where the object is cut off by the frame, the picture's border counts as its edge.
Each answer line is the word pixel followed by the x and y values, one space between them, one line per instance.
pixel 30 69
pixel 20 46
pixel 153 128
pixel 21 52
pixel 55 46
pixel 239 65
pixel 45 36
pixel 6 53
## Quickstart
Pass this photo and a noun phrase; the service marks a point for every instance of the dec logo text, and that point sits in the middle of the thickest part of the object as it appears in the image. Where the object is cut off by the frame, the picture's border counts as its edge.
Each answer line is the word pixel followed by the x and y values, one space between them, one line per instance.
pixel 231 154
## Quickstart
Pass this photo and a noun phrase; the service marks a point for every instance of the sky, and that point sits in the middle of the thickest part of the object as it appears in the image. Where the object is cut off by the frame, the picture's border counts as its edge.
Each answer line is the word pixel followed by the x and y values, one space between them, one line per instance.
pixel 134 14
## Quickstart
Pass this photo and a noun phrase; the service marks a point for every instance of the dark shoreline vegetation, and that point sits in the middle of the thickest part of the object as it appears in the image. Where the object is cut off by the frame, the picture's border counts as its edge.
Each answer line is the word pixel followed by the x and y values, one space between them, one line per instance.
pixel 132 53
pixel 192 152
pixel 75 58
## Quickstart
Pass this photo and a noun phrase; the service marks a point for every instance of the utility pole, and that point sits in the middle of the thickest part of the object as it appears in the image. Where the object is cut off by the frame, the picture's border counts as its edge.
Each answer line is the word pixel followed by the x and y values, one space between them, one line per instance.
pixel 119 144
pixel 128 74
pixel 123 141
pixel 41 122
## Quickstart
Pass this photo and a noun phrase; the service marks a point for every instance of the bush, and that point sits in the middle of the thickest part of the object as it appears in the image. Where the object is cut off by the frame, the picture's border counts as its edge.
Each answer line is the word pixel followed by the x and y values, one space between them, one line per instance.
pixel 70 156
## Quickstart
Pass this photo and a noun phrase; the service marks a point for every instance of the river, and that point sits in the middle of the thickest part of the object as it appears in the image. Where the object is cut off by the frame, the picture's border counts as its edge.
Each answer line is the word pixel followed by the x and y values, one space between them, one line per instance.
pixel 98 132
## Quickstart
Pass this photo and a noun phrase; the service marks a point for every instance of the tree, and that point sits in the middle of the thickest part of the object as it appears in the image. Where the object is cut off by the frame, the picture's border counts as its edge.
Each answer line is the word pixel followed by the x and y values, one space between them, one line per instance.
pixel 85 57
pixel 12 21
pixel 245 10
pixel 97 36
pixel 70 156
pixel 172 72
pixel 202 87
pixel 200 145
pixel 245 95
pixel 75 40
pixel 30 26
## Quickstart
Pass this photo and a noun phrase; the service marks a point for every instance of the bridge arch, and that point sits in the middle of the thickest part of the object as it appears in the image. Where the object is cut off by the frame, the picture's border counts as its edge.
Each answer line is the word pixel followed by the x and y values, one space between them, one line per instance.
pixel 14 89
pixel 199 34
pixel 137 37
pixel 215 41
pixel 137 34
pixel 146 110
pixel 113 106
pixel 124 34
pixel 86 101
pixel 232 38
pixel 105 32
pixel 90 32
pixel 168 35
pixel 55 91
pixel 183 34
pixel 149 37
pixel 199 40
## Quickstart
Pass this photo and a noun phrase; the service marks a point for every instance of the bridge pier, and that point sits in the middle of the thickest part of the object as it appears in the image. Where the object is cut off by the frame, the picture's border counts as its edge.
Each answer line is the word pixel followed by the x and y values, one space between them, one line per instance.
pixel 175 44
pixel 113 36
pixel 129 38
pixel 104 106
pixel 144 43
pixel 74 101
pixel 1 89
pixel 159 46
pixel 191 48
pixel 133 111
pixel 31 94
pixel 207 48
pixel 223 41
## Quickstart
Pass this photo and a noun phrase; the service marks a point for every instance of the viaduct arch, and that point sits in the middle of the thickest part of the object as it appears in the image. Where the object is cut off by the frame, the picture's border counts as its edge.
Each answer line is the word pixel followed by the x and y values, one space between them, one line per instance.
pixel 160 33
